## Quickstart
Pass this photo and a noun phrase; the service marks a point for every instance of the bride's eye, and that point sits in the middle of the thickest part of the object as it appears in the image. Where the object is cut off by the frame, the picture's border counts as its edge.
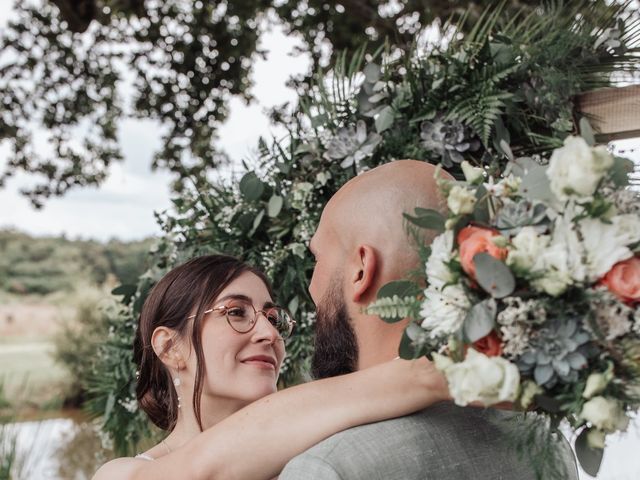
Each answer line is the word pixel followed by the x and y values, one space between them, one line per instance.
pixel 237 311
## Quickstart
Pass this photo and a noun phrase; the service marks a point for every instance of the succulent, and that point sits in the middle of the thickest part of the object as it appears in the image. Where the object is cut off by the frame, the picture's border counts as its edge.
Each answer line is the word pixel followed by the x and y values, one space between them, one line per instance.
pixel 517 214
pixel 557 353
pixel 448 139
pixel 351 144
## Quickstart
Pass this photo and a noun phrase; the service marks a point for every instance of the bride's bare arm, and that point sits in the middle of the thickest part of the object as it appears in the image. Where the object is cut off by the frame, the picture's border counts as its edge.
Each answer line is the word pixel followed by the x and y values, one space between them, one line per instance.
pixel 257 441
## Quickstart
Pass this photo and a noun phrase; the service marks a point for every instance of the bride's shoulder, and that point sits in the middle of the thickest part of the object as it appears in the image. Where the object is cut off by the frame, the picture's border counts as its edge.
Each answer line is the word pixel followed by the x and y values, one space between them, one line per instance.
pixel 120 468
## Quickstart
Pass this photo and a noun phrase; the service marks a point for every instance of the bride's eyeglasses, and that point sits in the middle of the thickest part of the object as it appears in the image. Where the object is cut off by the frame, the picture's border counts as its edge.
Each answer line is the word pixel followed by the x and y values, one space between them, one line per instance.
pixel 242 317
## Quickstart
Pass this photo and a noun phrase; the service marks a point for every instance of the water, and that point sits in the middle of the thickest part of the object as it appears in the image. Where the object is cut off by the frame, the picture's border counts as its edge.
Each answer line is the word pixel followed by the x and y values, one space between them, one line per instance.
pixel 55 449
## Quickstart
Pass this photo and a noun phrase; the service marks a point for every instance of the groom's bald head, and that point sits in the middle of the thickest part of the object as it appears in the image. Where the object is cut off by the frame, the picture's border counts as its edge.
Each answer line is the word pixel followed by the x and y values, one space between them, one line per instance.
pixel 362 243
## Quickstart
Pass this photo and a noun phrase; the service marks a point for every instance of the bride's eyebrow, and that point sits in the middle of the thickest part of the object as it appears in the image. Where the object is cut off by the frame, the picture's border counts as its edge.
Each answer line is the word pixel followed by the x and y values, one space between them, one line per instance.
pixel 239 296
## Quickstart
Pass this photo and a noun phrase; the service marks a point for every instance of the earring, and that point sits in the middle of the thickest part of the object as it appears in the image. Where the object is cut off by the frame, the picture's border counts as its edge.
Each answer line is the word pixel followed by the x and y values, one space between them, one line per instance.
pixel 176 383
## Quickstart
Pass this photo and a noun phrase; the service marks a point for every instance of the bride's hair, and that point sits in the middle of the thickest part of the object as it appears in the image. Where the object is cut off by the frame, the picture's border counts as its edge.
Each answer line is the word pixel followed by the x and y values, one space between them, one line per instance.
pixel 190 287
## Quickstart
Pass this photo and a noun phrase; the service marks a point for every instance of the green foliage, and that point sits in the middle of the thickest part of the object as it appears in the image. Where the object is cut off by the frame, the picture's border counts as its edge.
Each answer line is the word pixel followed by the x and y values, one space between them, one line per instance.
pixel 535 61
pixel 78 340
pixel 42 265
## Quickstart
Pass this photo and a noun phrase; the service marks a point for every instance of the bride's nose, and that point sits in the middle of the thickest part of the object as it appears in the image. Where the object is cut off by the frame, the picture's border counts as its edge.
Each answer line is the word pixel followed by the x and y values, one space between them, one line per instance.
pixel 264 330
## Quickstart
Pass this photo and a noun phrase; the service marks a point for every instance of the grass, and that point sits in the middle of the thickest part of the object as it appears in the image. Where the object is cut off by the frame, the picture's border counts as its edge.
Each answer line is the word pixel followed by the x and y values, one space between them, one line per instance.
pixel 31 379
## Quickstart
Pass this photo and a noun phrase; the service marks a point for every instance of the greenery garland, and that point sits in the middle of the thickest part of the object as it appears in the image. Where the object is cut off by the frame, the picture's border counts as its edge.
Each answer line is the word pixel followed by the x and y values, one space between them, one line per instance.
pixel 504 88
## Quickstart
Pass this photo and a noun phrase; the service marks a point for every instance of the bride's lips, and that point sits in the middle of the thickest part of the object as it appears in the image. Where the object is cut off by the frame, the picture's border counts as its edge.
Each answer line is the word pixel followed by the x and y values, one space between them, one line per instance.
pixel 260 361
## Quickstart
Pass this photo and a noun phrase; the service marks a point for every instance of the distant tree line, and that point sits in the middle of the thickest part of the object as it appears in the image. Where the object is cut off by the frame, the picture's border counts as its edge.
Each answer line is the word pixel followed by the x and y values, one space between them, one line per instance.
pixel 43 265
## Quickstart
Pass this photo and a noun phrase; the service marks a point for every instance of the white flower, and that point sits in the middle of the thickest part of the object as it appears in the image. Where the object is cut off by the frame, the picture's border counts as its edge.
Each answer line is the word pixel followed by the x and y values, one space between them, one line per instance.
pixel 528 392
pixel 444 311
pixel 576 169
pixel 606 244
pixel 596 383
pixel 605 414
pixel 461 200
pixel 471 174
pixel 505 187
pixel 489 380
pixel 527 246
pixel 437 270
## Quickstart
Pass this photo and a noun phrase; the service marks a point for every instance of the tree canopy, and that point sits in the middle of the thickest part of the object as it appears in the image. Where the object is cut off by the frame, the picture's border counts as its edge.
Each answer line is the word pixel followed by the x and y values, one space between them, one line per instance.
pixel 66 66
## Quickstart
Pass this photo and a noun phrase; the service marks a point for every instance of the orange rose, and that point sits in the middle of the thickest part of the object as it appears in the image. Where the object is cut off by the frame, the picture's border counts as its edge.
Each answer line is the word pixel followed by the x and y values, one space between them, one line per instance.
pixel 490 345
pixel 474 240
pixel 623 280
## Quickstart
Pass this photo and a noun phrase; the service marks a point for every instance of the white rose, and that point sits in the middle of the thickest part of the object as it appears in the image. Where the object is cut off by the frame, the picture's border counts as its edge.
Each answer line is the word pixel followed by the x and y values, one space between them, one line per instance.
pixel 437 270
pixel 552 266
pixel 527 246
pixel 471 174
pixel 606 244
pixel 461 200
pixel 602 159
pixel 444 311
pixel 489 380
pixel 605 414
pixel 576 169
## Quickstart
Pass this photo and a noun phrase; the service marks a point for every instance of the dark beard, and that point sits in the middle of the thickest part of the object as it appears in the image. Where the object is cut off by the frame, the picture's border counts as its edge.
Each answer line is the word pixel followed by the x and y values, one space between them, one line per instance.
pixel 335 346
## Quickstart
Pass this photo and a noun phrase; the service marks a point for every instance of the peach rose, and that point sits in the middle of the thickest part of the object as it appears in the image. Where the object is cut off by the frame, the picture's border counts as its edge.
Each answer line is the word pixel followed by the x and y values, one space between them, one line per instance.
pixel 623 280
pixel 490 345
pixel 474 240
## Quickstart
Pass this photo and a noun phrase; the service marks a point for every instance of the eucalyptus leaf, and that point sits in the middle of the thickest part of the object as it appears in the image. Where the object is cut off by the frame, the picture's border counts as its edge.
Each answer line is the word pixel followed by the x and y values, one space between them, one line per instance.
pixel 401 288
pixel 275 205
pixel 480 320
pixel 493 276
pixel 408 348
pixel 504 146
pixel 293 305
pixel 586 132
pixel 535 184
pixel 256 222
pixel 251 186
pixel 481 212
pixel 589 458
pixel 385 119
pixel 620 171
pixel 427 218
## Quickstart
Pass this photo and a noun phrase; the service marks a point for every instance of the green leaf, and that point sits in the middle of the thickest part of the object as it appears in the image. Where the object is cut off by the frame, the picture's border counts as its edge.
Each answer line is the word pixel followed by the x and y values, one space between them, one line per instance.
pixel 293 305
pixel 408 349
pixel 391 309
pixel 427 218
pixel 372 72
pixel 275 205
pixel 480 320
pixel 401 288
pixel 385 119
pixel 256 222
pixel 620 171
pixel 481 212
pixel 493 276
pixel 251 187
pixel 586 131
pixel 535 185
pixel 589 458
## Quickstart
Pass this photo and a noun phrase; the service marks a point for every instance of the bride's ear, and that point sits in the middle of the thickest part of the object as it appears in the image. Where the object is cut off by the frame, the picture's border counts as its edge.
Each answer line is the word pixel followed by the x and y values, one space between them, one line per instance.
pixel 165 346
pixel 363 278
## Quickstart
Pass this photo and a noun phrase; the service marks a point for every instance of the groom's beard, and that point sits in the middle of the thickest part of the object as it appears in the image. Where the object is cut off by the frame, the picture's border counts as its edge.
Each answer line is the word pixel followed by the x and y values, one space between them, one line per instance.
pixel 335 347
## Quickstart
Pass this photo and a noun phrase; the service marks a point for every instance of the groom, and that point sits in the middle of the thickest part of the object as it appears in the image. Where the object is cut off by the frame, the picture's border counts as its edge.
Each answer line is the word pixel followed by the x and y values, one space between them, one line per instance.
pixel 361 244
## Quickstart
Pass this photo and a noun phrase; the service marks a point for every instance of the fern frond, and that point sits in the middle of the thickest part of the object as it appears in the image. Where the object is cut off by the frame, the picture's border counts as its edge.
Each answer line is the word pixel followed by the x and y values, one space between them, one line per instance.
pixel 391 307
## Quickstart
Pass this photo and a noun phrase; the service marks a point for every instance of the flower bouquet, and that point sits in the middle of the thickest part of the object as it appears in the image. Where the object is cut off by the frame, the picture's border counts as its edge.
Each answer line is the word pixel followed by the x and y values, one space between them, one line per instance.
pixel 532 291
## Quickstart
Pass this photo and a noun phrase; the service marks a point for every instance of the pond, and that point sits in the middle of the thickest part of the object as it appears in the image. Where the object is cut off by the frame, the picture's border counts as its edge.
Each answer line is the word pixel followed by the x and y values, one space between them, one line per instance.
pixel 64 448
pixel 68 448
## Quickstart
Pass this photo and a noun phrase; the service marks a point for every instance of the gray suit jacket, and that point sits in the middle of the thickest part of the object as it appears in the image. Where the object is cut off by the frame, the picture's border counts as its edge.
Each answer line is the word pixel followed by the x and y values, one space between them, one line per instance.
pixel 442 442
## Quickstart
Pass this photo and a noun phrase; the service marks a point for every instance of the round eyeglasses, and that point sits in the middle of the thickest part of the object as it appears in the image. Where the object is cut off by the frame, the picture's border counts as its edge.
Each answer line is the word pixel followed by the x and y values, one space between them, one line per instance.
pixel 242 316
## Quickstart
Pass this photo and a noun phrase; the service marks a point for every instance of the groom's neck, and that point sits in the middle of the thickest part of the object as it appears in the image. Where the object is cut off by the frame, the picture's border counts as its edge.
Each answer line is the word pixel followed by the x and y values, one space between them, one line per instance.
pixel 378 341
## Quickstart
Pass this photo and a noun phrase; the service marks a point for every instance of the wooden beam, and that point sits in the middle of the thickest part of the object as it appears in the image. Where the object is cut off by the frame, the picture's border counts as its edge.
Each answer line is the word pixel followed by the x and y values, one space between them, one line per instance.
pixel 614 113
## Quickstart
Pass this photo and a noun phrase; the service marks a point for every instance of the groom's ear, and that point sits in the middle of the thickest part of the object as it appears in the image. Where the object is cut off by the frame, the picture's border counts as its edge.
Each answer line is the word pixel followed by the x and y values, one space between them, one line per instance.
pixel 363 278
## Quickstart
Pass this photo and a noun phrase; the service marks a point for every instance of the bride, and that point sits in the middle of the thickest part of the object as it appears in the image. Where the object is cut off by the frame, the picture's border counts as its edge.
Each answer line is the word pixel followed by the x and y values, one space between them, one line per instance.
pixel 209 346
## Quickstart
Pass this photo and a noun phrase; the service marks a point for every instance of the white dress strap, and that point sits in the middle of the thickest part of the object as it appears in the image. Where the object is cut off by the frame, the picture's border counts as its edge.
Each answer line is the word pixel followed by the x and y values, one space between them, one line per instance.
pixel 144 456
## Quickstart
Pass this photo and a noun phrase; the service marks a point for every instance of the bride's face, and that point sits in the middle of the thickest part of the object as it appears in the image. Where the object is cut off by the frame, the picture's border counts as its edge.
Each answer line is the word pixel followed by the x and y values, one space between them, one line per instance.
pixel 241 366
